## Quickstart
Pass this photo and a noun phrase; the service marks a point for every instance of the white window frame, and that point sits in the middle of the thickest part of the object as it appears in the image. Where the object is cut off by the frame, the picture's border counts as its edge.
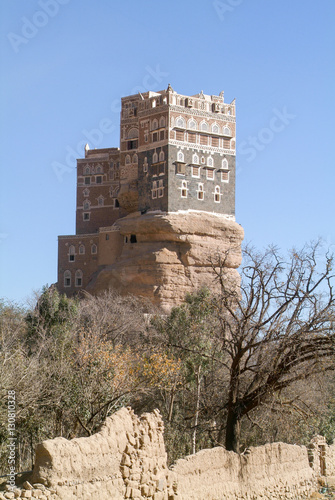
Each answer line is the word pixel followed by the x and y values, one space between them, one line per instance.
pixel 217 191
pixel 210 176
pixel 200 190
pixel 183 189
pixel 197 168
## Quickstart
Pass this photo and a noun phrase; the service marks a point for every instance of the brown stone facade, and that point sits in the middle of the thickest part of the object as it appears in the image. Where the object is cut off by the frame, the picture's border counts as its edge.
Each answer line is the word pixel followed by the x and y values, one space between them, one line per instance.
pixel 176 156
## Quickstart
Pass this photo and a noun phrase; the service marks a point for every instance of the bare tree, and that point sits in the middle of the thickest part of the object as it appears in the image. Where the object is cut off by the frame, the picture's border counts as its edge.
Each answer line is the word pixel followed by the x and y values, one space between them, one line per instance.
pixel 275 330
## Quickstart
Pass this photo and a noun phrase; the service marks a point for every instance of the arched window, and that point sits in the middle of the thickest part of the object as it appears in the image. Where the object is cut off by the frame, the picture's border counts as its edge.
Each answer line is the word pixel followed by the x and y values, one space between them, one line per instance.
pixel 87 205
pixel 67 278
pixel 81 249
pixel 135 158
pixel 200 191
pixel 98 170
pixel 154 124
pixel 204 126
pixel 72 252
pixel 161 156
pixel 180 122
pixel 162 122
pixel 180 156
pixel 192 124
pixel 210 161
pixel 155 157
pixel 132 133
pixel 127 159
pixel 79 278
pixel 101 201
pixel 195 159
pixel 227 131
pixel 87 170
pixel 215 128
pixel 225 163
pixel 184 189
pixel 94 249
pixel 217 194
pixel 86 192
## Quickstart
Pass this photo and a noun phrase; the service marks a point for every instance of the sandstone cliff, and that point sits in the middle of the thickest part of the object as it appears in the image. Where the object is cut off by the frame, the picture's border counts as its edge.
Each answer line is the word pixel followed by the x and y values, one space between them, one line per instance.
pixel 171 256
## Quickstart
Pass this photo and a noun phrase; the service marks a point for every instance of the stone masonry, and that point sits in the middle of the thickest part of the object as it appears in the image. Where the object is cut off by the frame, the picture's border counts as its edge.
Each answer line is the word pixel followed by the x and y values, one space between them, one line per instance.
pixel 176 158
pixel 127 459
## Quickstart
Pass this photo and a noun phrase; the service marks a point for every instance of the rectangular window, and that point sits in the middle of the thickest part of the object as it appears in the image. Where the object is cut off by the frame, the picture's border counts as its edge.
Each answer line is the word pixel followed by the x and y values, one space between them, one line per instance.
pixel 179 135
pixel 98 179
pixel 78 281
pixel 192 137
pixel 161 168
pixel 181 168
pixel 195 171
pixel 155 169
pixel 162 135
pixel 67 282
pixel 226 143
pixel 132 144
pixel 155 137
pixel 210 174
pixel 215 142
pixel 71 258
pixel 86 216
pixel 87 180
pixel 225 175
pixel 203 140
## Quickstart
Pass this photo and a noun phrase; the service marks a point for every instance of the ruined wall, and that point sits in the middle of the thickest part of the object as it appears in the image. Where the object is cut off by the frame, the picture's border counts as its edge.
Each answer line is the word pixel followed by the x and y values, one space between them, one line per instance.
pixel 273 471
pixel 127 459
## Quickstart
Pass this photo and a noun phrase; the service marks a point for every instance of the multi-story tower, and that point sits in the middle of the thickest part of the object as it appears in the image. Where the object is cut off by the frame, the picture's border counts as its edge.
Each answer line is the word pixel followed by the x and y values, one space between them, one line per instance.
pixel 177 153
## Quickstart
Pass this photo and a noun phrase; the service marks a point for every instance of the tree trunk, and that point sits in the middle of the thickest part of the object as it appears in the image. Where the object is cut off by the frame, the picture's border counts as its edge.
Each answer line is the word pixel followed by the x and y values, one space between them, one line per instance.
pixel 233 431
pixel 196 416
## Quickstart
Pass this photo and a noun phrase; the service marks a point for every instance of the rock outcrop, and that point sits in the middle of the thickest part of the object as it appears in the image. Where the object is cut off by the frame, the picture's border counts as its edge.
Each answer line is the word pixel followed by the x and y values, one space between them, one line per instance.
pixel 164 256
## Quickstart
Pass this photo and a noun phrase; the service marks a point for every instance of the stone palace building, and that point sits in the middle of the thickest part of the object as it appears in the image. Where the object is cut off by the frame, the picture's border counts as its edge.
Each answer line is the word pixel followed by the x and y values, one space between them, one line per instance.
pixel 151 213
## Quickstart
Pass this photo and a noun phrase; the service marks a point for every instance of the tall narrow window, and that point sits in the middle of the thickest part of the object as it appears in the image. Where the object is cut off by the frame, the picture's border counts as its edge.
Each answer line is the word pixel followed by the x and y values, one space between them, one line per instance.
pixel 161 156
pixel 226 131
pixel 217 194
pixel 79 278
pixel 195 159
pixel 180 122
pixel 82 250
pixel 210 174
pixel 67 278
pixel 184 189
pixel 200 191
pixel 72 252
pixel 180 156
pixel 94 249
pixel 204 126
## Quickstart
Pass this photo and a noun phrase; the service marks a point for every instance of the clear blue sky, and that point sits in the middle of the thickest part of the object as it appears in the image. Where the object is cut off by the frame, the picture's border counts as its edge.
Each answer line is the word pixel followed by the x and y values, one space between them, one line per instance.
pixel 66 64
